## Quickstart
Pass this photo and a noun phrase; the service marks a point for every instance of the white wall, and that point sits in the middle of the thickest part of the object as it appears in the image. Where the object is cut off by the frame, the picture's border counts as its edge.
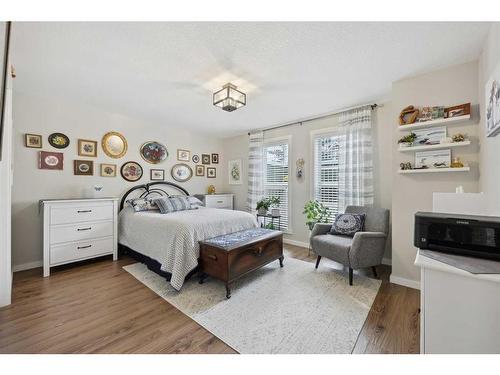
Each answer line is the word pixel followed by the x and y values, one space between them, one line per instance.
pixel 413 192
pixel 42 115
pixel 490 147
pixel 237 148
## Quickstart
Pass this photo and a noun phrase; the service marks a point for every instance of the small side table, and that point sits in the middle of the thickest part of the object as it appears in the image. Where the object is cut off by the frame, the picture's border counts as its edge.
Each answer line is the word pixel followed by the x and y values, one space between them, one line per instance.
pixel 270 218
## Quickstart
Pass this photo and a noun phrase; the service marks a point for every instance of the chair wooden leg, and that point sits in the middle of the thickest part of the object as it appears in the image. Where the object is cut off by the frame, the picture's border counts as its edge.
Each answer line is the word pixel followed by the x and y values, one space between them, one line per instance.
pixel 317 261
pixel 350 276
pixel 374 270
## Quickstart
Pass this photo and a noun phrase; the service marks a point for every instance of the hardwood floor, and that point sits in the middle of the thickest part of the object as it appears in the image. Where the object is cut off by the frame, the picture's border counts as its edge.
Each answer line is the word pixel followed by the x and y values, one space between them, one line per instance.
pixel 97 307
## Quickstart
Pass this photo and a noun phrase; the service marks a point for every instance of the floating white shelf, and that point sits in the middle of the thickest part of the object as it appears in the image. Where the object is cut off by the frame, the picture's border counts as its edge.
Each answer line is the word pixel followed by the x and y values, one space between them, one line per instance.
pixel 431 123
pixel 434 170
pixel 434 147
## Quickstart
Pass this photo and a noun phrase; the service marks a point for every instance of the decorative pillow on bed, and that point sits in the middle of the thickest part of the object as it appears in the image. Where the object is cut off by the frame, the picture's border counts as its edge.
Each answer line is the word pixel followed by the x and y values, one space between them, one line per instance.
pixel 172 204
pixel 348 224
pixel 142 204
pixel 195 202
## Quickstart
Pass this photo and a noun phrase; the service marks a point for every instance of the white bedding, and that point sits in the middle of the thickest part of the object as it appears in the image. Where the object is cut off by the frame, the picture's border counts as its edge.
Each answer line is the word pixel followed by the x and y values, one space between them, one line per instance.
pixel 172 239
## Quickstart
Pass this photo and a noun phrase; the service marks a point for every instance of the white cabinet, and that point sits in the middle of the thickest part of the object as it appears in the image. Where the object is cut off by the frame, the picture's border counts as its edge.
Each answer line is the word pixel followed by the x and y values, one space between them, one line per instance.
pixel 218 201
pixel 459 310
pixel 78 229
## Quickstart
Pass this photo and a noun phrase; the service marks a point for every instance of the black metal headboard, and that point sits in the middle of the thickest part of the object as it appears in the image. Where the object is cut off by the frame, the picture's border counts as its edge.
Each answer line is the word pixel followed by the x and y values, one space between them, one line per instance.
pixel 152 189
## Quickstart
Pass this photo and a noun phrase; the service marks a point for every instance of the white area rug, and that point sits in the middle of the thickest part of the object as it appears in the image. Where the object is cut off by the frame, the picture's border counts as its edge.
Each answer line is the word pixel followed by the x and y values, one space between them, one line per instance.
pixel 295 309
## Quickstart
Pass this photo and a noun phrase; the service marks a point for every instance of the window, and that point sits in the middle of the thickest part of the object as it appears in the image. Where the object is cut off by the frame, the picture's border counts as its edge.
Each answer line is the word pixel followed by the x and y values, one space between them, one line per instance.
pixel 276 176
pixel 326 171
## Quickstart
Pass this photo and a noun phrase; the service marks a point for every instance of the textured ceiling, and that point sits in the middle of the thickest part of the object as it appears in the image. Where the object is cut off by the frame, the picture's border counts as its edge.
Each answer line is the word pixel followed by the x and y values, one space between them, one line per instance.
pixel 166 72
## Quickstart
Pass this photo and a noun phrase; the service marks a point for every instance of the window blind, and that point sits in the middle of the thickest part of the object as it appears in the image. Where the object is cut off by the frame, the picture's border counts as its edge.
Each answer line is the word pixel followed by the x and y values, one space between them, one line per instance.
pixel 326 171
pixel 276 177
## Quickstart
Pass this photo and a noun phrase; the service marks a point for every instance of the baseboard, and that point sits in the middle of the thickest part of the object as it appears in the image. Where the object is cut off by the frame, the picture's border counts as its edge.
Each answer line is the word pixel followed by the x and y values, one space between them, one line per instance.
pixel 27 266
pixel 405 282
pixel 296 243
pixel 386 261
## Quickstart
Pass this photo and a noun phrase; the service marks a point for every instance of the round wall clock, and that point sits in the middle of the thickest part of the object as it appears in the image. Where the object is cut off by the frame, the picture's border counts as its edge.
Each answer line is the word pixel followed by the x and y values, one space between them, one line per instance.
pixel 114 145
pixel 59 140
pixel 131 171
pixel 181 172
pixel 196 158
pixel 154 152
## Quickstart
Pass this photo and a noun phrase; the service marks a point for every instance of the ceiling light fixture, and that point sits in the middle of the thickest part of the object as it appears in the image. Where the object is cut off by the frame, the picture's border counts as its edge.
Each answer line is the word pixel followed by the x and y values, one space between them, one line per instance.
pixel 229 98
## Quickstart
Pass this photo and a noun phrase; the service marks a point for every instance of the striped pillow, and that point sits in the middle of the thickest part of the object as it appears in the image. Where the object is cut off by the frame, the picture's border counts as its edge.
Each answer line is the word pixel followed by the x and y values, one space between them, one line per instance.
pixel 172 204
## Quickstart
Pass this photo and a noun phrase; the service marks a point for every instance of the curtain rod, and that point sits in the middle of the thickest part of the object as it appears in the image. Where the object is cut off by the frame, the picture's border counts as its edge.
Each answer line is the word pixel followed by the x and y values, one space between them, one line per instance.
pixel 308 119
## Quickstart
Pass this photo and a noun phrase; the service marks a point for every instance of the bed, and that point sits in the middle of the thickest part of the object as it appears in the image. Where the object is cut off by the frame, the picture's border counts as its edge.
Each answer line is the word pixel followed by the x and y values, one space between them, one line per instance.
pixel 169 243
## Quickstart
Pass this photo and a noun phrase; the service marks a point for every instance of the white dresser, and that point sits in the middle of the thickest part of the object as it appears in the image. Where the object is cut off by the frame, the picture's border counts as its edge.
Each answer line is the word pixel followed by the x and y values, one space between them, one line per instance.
pixel 217 200
pixel 78 229
pixel 459 310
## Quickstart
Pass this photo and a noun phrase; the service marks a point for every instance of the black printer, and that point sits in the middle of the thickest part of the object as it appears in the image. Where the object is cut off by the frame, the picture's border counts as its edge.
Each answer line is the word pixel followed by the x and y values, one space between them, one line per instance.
pixel 476 236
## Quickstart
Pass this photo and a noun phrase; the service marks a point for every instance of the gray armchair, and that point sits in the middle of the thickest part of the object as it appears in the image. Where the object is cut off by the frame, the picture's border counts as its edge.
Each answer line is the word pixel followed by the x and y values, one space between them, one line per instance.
pixel 365 249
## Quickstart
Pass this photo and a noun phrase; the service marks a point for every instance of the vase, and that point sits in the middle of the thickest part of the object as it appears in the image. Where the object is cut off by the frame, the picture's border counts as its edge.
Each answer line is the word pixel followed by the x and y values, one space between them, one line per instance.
pixel 262 211
pixel 275 212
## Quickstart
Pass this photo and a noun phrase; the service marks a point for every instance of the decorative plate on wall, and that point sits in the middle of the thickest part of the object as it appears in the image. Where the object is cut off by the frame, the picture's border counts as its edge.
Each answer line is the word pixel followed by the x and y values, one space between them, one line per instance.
pixel 181 172
pixel 154 152
pixel 114 145
pixel 131 171
pixel 195 159
pixel 59 140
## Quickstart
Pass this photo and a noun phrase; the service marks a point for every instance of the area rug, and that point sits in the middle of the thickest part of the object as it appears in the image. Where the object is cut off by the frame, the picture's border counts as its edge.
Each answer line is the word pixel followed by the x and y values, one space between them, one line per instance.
pixel 295 309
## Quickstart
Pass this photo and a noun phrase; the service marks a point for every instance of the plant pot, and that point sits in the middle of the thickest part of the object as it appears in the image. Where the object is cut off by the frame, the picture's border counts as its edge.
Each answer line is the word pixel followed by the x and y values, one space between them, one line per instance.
pixel 275 212
pixel 405 144
pixel 262 211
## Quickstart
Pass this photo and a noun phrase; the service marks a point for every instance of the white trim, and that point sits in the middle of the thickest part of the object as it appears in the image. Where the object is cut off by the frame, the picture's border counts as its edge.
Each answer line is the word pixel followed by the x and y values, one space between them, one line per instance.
pixel 296 243
pixel 27 266
pixel 414 284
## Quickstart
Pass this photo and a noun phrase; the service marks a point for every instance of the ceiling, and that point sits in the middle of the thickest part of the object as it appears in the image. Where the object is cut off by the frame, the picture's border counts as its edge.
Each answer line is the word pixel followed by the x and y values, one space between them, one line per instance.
pixel 166 72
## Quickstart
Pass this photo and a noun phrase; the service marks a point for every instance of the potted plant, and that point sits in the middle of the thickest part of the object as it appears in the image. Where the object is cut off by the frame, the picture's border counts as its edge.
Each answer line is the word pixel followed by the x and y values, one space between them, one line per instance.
pixel 265 203
pixel 274 203
pixel 407 140
pixel 263 206
pixel 316 212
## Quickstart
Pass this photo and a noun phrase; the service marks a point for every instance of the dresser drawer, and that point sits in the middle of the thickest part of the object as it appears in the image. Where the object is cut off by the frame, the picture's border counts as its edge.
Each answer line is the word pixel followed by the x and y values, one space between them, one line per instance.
pixel 219 201
pixel 79 232
pixel 81 213
pixel 80 250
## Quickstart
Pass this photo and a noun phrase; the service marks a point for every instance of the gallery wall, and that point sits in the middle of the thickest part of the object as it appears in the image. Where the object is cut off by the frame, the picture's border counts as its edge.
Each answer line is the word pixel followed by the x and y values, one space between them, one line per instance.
pixel 413 192
pixel 300 147
pixel 43 115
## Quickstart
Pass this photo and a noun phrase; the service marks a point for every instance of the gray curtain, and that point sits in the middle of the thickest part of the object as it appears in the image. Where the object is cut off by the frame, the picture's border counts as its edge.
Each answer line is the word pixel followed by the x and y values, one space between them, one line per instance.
pixel 255 171
pixel 355 158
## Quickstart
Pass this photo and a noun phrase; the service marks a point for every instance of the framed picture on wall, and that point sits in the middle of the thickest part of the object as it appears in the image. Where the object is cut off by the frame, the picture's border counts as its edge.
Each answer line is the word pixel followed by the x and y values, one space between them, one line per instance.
pixel 492 97
pixel 200 170
pixel 157 175
pixel 50 160
pixel 183 155
pixel 234 168
pixel 33 140
pixel 83 167
pixel 211 172
pixel 108 170
pixel 87 148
